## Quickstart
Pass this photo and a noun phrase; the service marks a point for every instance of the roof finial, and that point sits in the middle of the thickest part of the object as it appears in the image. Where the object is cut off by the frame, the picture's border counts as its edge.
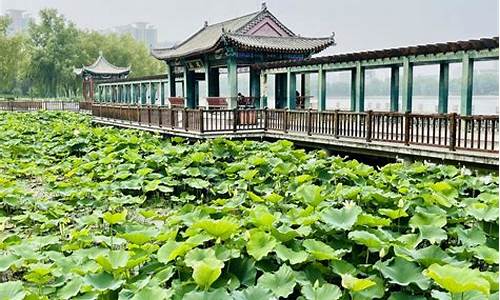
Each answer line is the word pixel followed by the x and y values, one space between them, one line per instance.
pixel 263 5
pixel 205 24
pixel 100 52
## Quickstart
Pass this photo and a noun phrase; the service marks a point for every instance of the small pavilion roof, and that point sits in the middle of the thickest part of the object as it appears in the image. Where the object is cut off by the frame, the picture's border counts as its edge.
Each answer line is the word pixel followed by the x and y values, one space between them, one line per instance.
pixel 236 32
pixel 102 67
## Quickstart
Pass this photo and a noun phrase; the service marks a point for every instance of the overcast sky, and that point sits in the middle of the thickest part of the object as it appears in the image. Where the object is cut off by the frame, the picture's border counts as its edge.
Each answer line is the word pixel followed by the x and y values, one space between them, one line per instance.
pixel 358 24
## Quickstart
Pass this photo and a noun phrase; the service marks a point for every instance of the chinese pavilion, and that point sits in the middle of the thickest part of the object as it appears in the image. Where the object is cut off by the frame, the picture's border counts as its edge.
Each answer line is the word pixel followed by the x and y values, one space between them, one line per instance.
pixel 237 43
pixel 101 69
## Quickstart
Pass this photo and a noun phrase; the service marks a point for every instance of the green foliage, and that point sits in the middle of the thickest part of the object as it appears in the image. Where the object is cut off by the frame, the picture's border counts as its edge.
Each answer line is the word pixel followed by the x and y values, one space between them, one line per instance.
pixel 103 213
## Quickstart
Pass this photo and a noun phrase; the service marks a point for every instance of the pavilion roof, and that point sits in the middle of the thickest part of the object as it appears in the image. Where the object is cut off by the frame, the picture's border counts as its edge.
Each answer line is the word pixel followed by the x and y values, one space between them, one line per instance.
pixel 102 67
pixel 236 32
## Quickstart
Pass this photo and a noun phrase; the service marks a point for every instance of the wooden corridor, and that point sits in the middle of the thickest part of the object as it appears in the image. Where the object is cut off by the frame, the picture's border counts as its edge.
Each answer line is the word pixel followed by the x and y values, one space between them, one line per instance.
pixel 465 139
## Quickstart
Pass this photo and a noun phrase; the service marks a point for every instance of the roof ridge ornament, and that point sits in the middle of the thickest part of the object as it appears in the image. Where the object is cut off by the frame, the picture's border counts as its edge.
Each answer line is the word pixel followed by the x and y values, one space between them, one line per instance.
pixel 100 53
pixel 205 24
pixel 263 5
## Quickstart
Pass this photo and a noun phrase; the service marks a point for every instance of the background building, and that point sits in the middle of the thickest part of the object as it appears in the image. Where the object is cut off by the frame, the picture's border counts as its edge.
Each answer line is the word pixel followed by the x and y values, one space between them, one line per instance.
pixel 140 31
pixel 19 21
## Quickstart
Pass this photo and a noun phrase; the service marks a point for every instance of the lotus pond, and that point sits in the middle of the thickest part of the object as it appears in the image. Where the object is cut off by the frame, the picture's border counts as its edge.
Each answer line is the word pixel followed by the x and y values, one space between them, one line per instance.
pixel 103 213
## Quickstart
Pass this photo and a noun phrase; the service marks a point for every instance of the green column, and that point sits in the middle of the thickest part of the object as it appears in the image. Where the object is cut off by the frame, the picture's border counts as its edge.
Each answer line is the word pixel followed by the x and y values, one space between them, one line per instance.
pixel 213 82
pixel 189 88
pixel 162 93
pixel 255 86
pixel 353 90
pixel 263 90
pixel 171 81
pixel 466 90
pixel 280 90
pixel 143 93
pixel 232 78
pixel 360 88
pixel 407 85
pixel 444 76
pixel 321 89
pixel 305 88
pixel 395 88
pixel 132 99
pixel 291 80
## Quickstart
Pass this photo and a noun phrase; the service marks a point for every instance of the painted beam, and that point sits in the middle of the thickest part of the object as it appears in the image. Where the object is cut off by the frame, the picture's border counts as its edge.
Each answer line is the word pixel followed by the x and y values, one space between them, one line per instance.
pixel 444 81
pixel 291 87
pixel 407 89
pixel 467 85
pixel 321 89
pixel 395 89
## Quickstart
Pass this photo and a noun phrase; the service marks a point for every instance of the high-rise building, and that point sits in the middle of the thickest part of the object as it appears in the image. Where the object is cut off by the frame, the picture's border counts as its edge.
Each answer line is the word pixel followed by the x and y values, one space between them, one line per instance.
pixel 140 31
pixel 19 21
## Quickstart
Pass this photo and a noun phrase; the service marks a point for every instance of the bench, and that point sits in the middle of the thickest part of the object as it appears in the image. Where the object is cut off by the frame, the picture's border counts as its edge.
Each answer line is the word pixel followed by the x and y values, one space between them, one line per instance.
pixel 216 102
pixel 176 101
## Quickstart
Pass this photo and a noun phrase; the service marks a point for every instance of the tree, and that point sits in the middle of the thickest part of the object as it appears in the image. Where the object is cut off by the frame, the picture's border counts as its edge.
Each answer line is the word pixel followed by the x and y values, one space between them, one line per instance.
pixel 13 56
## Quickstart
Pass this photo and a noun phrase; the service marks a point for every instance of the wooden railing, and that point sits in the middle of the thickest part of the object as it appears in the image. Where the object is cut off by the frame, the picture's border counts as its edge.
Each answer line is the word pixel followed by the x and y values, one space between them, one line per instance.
pixel 451 131
pixel 45 105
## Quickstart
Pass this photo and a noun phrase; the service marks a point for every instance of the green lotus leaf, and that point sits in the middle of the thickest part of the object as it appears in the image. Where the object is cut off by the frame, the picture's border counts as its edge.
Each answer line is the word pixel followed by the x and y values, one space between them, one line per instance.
pixel 432 233
pixel 197 183
pixel 248 175
pixel 458 280
pixel 281 283
pixel 294 257
pixel 376 291
pixel 244 269
pixel 404 296
pixel 103 281
pixel 322 251
pixel 340 219
pixel 113 260
pixel 152 185
pixel 218 294
pixel 70 289
pixel 260 244
pixel 261 217
pixel 172 249
pixel 310 194
pixel 7 260
pixel 482 212
pixel 12 290
pixel 115 218
pixel 252 293
pixel 372 221
pixel 39 273
pixel 367 239
pixel 489 255
pixel 148 293
pixel 355 284
pixel 197 255
pixel 139 237
pixel 472 237
pixel 393 213
pixel 223 228
pixel 273 198
pixel 206 272
pixel 402 272
pixel 317 292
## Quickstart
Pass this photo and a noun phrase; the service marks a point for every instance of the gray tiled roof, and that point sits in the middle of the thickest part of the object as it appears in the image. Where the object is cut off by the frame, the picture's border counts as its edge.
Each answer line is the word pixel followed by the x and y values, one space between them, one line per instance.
pixel 294 44
pixel 102 66
pixel 210 37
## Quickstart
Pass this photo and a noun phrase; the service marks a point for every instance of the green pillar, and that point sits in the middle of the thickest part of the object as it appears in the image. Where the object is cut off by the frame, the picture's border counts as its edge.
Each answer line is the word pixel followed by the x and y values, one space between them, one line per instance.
pixel 291 80
pixel 143 93
pixel 232 78
pixel 305 88
pixel 360 88
pixel 153 91
pixel 466 90
pixel 280 90
pixel 212 84
pixel 321 89
pixel 171 81
pixel 255 86
pixel 189 88
pixel 162 93
pixel 407 85
pixel 395 88
pixel 132 99
pixel 444 76
pixel 263 90
pixel 353 90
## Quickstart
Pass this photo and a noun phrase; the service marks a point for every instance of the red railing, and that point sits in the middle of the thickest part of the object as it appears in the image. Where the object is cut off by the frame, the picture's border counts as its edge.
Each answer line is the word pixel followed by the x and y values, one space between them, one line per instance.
pixel 478 133
pixel 45 105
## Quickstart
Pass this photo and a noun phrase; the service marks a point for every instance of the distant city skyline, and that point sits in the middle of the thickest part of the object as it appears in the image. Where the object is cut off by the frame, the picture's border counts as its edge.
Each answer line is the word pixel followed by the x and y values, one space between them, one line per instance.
pixel 358 24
